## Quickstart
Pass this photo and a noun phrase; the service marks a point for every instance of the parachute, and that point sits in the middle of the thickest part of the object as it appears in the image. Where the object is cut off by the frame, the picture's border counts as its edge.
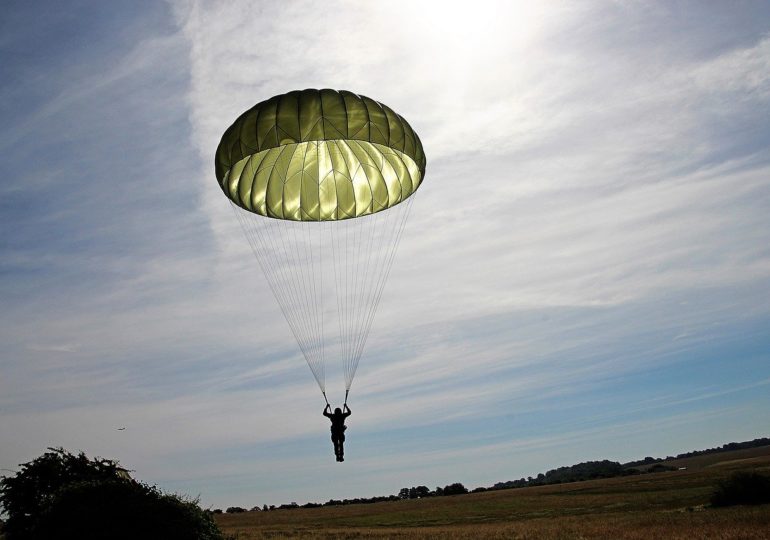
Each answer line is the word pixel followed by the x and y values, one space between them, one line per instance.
pixel 322 183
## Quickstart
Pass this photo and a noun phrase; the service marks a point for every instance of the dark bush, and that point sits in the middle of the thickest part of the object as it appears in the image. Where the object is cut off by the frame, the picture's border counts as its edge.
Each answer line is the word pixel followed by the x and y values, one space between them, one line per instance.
pixel 25 495
pixel 742 488
pixel 122 511
pixel 61 495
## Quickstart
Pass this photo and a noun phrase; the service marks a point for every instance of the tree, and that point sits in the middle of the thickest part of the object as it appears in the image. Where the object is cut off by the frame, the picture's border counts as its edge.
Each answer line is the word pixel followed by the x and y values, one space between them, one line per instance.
pixel 64 495
pixel 25 495
pixel 455 489
pixel 122 510
pixel 414 492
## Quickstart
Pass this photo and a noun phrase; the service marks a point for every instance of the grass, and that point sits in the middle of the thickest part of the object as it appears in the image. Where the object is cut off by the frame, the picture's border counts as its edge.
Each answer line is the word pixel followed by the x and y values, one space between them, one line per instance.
pixel 660 505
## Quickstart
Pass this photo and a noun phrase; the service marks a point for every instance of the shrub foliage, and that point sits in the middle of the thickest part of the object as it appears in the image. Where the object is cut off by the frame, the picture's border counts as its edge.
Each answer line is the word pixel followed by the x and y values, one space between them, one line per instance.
pixel 63 495
pixel 742 488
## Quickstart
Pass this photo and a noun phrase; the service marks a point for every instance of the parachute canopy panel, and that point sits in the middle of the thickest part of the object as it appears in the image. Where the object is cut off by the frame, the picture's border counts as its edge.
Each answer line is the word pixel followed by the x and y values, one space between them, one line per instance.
pixel 319 155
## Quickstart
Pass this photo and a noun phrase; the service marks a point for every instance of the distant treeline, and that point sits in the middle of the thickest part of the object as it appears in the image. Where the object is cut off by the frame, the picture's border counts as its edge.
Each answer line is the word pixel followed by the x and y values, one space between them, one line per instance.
pixel 588 470
pixel 418 492
pixel 574 473
pixel 764 441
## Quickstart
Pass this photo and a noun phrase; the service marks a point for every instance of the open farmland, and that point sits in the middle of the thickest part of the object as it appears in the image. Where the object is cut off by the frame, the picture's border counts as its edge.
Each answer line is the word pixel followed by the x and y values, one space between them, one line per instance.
pixel 659 505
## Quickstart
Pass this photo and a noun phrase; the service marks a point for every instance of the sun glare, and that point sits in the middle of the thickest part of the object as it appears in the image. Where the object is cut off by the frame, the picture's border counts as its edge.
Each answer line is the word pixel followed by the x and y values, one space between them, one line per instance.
pixel 473 26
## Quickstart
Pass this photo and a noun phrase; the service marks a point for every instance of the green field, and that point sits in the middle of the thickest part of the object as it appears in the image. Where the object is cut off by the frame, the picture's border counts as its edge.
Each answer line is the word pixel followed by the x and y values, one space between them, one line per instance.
pixel 658 505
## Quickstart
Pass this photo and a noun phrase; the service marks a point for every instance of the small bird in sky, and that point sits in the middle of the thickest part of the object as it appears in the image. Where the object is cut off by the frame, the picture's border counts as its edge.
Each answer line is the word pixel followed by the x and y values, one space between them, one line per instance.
pixel 121 429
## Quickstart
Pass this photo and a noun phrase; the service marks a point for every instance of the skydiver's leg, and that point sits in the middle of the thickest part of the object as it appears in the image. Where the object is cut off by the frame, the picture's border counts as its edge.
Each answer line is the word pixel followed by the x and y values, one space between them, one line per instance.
pixel 342 450
pixel 337 445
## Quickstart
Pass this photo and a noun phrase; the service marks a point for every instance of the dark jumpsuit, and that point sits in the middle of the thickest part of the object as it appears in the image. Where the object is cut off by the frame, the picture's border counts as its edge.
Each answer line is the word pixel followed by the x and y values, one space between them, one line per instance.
pixel 338 428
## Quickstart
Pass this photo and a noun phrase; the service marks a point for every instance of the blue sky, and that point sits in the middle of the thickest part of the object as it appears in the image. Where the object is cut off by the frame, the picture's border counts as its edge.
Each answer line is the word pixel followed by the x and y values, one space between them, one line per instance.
pixel 603 294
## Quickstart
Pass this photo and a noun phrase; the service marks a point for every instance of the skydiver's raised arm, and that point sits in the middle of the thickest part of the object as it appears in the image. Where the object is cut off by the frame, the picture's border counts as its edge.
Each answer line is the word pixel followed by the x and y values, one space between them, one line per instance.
pixel 327 411
pixel 347 410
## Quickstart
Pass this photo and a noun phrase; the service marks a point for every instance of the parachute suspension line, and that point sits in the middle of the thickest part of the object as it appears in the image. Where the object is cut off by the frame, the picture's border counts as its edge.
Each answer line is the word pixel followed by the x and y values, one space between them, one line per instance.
pixel 301 269
pixel 308 291
pixel 358 299
pixel 292 280
pixel 304 295
pixel 263 235
pixel 266 237
pixel 362 266
pixel 362 251
pixel 391 247
pixel 350 268
pixel 368 279
pixel 365 289
pixel 303 290
pixel 361 293
pixel 320 304
pixel 347 391
pixel 342 258
pixel 339 238
pixel 351 288
pixel 257 243
pixel 337 281
pixel 374 240
pixel 285 292
pixel 291 283
pixel 344 288
pixel 350 273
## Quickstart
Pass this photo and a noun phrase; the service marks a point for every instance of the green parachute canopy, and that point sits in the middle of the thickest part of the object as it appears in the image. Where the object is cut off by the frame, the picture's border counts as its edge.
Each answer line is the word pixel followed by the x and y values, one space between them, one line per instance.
pixel 319 155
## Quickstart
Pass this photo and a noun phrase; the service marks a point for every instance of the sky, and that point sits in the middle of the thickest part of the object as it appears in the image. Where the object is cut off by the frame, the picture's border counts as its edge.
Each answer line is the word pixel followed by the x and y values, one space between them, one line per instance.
pixel 585 273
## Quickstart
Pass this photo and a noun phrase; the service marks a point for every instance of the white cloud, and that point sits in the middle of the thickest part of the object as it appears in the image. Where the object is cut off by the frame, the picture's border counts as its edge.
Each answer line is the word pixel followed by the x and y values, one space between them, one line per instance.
pixel 594 207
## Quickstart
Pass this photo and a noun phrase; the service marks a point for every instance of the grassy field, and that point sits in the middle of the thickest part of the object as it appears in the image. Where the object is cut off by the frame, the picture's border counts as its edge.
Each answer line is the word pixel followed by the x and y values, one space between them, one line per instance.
pixel 659 505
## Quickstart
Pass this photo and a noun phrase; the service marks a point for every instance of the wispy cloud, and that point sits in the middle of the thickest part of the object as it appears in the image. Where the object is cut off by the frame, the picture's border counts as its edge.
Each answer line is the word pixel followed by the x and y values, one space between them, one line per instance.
pixel 586 258
pixel 63 347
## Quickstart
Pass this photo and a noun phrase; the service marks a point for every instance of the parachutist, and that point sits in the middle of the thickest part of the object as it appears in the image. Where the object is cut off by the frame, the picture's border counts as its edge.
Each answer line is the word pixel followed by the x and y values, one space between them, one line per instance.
pixel 304 172
pixel 338 428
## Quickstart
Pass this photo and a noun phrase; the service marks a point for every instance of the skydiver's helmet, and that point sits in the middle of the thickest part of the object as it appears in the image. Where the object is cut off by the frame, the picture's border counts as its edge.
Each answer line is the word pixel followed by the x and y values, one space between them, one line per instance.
pixel 337 411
